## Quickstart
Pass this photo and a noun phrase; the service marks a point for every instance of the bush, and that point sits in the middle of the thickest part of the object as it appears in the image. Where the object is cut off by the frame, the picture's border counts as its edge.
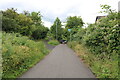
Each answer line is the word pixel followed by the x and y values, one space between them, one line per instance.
pixel 103 41
pixel 40 33
pixel 19 54
pixel 101 66
pixel 53 42
pixel 72 44
pixel 79 35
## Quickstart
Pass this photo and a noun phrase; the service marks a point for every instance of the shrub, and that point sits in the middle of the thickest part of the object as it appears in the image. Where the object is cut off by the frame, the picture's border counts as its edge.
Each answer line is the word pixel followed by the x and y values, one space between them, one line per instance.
pixel 103 41
pixel 40 33
pixel 101 66
pixel 53 42
pixel 19 54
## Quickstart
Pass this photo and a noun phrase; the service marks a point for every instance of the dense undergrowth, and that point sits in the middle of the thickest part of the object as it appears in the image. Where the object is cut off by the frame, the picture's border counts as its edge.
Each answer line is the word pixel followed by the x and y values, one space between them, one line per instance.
pixel 101 65
pixel 102 40
pixel 0 55
pixel 19 53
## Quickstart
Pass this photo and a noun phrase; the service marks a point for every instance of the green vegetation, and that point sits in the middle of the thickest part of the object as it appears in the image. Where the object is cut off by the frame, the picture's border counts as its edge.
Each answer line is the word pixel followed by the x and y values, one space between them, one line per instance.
pixel 19 50
pixel 20 53
pixel 57 26
pixel 53 42
pixel 102 43
pixel 100 65
pixel 74 22
pixel 28 24
pixel 59 33
pixel 0 55
pixel 98 45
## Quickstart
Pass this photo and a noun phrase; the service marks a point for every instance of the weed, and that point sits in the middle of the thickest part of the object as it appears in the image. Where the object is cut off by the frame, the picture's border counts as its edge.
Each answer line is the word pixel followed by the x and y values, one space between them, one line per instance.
pixel 19 54
pixel 103 66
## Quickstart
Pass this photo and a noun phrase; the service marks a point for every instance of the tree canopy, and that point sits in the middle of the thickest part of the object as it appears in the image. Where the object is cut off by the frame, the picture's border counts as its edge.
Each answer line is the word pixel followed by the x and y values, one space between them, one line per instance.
pixel 75 21
pixel 29 24
pixel 56 29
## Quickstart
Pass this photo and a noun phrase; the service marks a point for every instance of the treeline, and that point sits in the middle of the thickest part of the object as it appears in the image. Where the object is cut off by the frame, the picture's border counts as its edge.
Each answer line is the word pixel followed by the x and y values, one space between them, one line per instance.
pixel 63 33
pixel 28 24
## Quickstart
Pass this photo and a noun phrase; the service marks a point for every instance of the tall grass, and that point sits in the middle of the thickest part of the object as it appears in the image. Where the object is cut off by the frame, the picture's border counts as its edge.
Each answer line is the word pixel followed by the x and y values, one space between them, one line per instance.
pixel 0 54
pixel 19 54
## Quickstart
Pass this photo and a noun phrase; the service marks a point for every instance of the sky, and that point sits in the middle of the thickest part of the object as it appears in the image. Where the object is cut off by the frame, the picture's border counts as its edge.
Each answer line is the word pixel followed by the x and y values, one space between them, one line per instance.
pixel 50 9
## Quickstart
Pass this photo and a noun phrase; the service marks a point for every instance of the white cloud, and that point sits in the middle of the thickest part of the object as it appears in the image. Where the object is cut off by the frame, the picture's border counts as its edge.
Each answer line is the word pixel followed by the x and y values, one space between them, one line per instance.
pixel 50 9
pixel 47 24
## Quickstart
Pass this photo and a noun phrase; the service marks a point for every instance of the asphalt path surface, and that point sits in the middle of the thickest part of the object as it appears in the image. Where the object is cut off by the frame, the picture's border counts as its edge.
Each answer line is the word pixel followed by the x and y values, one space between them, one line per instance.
pixel 48 46
pixel 62 62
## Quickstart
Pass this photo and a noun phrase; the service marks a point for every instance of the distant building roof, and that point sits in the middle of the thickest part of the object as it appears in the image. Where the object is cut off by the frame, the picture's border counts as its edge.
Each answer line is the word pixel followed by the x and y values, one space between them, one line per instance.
pixel 99 17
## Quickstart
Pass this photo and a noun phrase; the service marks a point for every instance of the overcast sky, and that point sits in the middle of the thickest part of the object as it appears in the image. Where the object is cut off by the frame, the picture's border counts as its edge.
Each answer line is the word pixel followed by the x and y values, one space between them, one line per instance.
pixel 50 9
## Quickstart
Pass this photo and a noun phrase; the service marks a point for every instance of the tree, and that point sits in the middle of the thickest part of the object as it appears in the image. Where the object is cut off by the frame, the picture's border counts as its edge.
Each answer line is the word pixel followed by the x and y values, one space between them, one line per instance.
pixel 56 29
pixel 25 24
pixel 14 22
pixel 29 24
pixel 26 13
pixel 36 17
pixel 74 22
pixel 40 33
pixel 9 22
pixel 106 9
pixel 66 34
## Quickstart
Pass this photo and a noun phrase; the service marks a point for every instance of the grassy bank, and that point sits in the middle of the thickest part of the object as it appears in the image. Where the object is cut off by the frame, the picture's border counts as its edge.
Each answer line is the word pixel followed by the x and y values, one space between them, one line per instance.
pixel 19 53
pixel 103 66
pixel 0 54
pixel 53 42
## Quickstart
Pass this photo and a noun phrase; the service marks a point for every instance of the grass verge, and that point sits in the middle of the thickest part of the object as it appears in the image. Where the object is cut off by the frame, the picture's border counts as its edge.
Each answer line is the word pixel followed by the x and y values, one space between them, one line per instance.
pixel 103 66
pixel 53 42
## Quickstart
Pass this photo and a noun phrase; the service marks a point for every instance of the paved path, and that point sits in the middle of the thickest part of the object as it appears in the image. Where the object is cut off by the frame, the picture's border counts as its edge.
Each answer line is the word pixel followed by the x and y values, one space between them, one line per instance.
pixel 60 63
pixel 48 46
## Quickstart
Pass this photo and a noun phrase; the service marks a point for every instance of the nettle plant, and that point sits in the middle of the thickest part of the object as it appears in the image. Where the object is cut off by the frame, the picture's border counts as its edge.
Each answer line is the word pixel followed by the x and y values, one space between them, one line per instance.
pixel 103 37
